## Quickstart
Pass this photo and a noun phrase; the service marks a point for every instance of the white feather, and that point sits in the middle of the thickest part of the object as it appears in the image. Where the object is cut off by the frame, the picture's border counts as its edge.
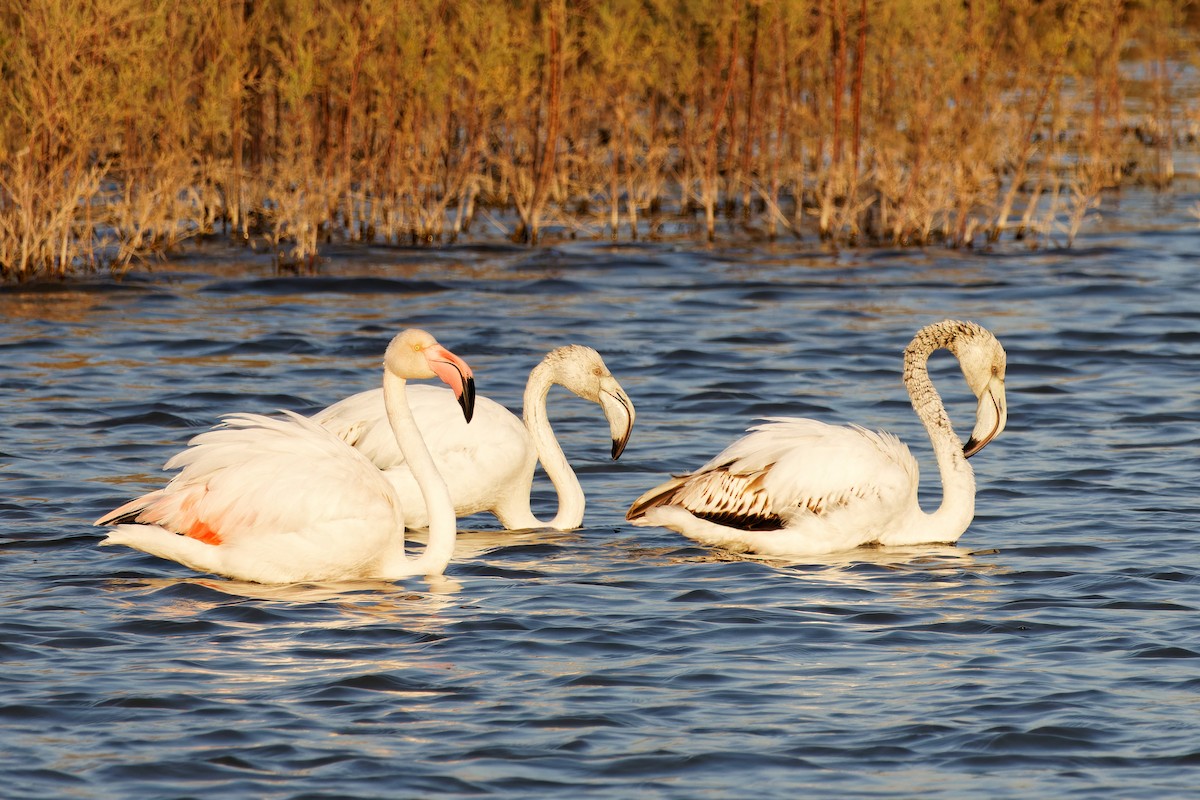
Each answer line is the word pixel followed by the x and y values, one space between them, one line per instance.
pixel 489 464
pixel 283 499
pixel 803 487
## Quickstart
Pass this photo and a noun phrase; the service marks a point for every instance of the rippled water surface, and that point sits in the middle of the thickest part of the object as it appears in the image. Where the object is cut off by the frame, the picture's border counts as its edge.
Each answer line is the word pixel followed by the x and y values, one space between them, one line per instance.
pixel 1054 652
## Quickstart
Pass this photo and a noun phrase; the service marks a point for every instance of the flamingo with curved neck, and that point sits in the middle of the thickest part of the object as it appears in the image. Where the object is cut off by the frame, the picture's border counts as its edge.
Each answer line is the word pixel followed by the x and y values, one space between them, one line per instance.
pixel 283 500
pixel 490 466
pixel 802 487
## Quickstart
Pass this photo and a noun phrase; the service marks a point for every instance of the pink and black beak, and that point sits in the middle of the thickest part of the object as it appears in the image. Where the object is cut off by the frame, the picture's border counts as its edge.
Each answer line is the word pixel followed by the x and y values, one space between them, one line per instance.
pixel 455 373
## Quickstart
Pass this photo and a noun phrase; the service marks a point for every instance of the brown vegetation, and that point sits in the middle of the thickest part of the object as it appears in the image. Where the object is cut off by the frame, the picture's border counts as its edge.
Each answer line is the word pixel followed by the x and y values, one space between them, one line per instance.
pixel 128 126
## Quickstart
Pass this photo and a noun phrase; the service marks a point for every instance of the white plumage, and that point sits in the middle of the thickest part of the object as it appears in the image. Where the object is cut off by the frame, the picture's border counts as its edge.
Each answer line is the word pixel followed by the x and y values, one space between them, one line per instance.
pixel 489 465
pixel 803 487
pixel 283 500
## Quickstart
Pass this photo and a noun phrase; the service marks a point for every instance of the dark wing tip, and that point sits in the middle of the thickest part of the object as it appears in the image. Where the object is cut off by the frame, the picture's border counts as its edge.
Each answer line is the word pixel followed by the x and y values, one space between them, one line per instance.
pixel 129 517
pixel 659 495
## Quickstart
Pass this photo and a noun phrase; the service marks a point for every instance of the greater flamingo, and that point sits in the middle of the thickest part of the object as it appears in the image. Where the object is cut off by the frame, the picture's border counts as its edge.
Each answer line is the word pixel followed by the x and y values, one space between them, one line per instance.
pixel 802 487
pixel 490 466
pixel 283 500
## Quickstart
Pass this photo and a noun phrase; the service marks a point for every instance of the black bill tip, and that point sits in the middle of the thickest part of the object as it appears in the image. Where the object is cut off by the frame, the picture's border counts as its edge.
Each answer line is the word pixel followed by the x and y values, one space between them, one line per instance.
pixel 467 398
pixel 972 447
pixel 619 447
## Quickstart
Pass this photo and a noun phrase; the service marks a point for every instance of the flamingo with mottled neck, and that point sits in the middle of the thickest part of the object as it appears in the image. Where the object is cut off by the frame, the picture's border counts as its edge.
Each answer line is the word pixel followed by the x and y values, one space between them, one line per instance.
pixel 802 487
pixel 283 500
pixel 490 465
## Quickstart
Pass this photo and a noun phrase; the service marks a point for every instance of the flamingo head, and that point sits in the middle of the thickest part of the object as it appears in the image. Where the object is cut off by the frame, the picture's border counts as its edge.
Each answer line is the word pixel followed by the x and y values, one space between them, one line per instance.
pixel 983 363
pixel 415 354
pixel 581 370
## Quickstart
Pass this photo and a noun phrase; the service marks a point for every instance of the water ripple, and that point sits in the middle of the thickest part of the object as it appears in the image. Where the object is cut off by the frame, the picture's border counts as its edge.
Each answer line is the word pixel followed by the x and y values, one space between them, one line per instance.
pixel 1051 653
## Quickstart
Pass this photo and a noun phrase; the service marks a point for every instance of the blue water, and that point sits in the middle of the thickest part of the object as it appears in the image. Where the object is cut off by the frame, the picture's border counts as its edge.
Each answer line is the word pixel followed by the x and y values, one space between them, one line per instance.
pixel 1055 652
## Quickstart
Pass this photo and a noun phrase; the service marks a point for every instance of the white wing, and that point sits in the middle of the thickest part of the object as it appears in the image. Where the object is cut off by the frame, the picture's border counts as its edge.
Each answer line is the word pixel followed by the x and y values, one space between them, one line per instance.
pixel 479 461
pixel 785 469
pixel 255 476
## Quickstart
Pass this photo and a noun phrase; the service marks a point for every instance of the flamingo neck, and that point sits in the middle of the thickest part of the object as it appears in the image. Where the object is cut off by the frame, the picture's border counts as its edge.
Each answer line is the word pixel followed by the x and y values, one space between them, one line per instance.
pixel 957 508
pixel 443 526
pixel 570 494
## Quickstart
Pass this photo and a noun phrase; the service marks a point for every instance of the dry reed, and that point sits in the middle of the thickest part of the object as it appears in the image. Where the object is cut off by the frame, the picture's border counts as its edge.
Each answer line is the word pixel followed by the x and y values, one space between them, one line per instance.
pixel 131 126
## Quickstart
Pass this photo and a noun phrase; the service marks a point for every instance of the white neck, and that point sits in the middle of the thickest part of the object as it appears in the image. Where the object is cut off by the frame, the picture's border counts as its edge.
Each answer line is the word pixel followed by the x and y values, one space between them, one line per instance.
pixel 554 461
pixel 443 526
pixel 957 508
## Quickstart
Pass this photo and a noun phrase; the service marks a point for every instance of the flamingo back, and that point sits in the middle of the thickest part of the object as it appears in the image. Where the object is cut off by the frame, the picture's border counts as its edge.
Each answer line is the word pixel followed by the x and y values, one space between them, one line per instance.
pixel 483 462
pixel 785 470
pixel 255 476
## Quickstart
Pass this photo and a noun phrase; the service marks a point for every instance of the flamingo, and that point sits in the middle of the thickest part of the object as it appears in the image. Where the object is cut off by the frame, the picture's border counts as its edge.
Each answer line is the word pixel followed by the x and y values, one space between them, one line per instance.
pixel 490 467
pixel 802 487
pixel 284 500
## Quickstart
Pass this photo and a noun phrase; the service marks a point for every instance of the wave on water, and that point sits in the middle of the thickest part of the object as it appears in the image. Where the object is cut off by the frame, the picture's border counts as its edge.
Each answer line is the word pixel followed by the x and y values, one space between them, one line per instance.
pixel 1049 653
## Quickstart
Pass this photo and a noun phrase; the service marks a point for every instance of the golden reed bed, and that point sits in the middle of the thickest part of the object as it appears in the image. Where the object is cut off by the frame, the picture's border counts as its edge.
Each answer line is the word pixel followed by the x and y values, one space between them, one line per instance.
pixel 130 126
